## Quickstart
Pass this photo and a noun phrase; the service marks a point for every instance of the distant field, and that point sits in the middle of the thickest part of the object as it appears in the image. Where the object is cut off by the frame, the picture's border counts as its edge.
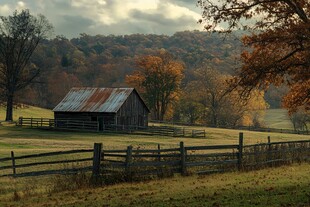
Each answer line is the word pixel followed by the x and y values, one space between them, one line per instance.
pixel 277 118
pixel 27 111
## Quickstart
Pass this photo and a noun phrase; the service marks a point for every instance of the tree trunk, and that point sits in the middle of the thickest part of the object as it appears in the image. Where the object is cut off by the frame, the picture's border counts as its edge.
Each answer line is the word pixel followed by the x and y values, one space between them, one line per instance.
pixel 9 108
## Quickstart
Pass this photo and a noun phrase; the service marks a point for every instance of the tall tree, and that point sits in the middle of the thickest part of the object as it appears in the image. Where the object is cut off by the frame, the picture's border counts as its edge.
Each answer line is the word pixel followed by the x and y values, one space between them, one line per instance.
pixel 279 42
pixel 19 36
pixel 221 106
pixel 158 79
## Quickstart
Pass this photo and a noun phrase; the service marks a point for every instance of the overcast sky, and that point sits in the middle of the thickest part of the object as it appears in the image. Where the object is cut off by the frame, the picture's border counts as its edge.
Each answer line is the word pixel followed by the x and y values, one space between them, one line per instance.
pixel 72 17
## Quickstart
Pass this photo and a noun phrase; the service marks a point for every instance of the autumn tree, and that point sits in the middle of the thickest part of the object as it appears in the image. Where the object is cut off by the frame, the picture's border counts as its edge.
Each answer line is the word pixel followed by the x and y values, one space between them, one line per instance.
pixel 300 119
pixel 221 106
pixel 279 42
pixel 212 91
pixel 188 109
pixel 157 78
pixel 19 36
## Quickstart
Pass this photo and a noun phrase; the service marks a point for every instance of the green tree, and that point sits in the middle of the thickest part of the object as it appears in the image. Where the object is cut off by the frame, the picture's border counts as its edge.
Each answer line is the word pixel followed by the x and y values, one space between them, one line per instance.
pixel 19 36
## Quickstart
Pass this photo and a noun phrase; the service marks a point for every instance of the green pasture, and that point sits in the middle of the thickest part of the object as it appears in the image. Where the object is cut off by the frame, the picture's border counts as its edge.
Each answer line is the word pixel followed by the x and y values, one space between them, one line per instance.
pixel 278 119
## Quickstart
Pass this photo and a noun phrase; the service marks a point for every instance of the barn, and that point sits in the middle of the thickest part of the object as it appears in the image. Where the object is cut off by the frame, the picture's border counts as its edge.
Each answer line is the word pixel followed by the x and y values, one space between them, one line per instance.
pixel 107 106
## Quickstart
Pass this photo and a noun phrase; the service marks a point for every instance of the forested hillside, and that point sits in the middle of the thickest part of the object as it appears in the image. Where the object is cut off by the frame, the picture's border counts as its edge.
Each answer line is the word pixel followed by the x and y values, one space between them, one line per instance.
pixel 104 61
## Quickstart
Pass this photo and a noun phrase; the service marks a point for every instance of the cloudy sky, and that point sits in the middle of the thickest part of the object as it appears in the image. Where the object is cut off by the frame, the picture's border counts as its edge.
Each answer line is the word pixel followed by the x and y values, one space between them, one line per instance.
pixel 72 17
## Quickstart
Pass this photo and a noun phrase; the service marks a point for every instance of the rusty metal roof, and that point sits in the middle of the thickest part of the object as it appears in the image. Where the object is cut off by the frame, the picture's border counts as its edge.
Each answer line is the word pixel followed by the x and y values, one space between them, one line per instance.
pixel 94 100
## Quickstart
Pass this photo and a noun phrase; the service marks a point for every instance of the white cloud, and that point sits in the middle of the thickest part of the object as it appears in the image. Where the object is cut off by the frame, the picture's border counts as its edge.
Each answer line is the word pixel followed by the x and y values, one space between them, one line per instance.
pixel 21 5
pixel 5 10
pixel 72 17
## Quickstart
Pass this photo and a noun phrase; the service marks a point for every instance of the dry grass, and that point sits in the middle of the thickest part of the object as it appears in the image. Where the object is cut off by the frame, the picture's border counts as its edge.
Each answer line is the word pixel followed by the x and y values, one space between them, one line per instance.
pixel 25 140
pixel 283 186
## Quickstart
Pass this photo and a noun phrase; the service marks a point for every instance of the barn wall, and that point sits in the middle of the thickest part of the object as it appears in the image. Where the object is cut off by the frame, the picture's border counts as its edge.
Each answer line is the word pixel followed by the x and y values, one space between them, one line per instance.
pixel 133 112
pixel 83 116
pixel 108 118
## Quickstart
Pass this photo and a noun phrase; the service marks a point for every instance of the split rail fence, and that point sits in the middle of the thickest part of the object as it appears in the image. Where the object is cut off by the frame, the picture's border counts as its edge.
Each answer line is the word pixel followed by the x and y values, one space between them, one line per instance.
pixel 136 162
pixel 93 126
pixel 59 124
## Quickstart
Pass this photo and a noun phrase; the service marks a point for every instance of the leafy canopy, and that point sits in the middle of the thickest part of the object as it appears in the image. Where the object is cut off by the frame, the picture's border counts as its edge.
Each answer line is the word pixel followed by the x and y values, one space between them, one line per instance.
pixel 19 36
pixel 279 40
pixel 158 79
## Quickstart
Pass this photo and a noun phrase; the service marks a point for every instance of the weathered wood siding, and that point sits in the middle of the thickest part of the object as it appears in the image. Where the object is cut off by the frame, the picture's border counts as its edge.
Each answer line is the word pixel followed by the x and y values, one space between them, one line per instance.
pixel 103 118
pixel 82 116
pixel 133 112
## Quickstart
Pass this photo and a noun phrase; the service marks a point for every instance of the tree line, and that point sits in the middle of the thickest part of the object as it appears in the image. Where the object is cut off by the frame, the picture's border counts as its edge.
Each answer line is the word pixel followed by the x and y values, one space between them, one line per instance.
pixel 104 61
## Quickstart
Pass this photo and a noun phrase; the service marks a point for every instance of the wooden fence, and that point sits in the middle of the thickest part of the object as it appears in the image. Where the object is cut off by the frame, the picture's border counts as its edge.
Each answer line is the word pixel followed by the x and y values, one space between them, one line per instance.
pixel 249 128
pixel 137 162
pixel 59 124
pixel 275 153
pixel 45 163
pixel 157 130
pixel 68 124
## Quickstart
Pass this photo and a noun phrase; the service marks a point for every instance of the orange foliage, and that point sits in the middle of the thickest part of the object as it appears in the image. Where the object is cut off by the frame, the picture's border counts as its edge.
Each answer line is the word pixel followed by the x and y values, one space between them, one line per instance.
pixel 280 45
pixel 158 79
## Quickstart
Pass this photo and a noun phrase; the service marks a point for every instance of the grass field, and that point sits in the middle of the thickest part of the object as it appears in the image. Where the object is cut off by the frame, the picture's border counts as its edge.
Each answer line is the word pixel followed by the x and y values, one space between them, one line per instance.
pixel 26 140
pixel 282 186
pixel 27 111
pixel 277 118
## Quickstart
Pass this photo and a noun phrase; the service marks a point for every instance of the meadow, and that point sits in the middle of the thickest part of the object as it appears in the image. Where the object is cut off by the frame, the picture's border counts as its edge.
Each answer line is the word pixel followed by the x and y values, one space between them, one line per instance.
pixel 27 140
pixel 282 186
pixel 277 118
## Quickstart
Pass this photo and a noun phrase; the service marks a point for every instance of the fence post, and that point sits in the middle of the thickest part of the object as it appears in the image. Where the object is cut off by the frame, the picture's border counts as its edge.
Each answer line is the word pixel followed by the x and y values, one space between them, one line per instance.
pixel 31 122
pixel 128 162
pixel 20 121
pixel 96 161
pixel 240 149
pixel 183 158
pixel 158 148
pixel 13 163
pixel 269 150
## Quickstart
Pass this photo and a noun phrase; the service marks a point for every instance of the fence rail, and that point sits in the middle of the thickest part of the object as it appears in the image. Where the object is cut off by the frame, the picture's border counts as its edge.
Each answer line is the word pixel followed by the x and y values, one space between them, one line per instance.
pixel 249 128
pixel 59 124
pixel 46 161
pixel 69 124
pixel 136 162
